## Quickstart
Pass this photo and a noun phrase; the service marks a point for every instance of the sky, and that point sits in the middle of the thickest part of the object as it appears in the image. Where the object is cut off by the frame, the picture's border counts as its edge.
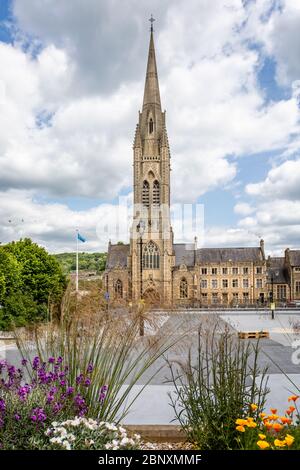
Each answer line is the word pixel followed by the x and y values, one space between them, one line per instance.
pixel 71 85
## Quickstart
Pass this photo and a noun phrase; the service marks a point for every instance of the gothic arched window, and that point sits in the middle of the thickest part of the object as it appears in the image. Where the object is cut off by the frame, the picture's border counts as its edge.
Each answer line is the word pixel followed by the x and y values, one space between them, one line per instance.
pixel 151 256
pixel 156 193
pixel 183 289
pixel 119 289
pixel 145 194
pixel 151 126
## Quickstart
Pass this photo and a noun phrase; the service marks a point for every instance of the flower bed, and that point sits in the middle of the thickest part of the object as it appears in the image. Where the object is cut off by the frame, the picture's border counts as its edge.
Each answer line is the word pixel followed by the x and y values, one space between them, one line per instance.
pixel 271 431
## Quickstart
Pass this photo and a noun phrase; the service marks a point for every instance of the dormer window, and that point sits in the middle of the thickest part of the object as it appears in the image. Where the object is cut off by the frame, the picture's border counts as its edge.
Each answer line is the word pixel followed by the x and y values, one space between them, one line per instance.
pixel 151 126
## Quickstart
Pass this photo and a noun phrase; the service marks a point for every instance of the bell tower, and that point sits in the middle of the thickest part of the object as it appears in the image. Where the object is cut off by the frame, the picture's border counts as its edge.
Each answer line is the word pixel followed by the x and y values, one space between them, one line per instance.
pixel 151 244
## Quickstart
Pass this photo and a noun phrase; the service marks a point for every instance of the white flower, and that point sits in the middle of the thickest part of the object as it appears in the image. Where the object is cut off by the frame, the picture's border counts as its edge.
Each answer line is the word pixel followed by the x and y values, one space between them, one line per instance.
pixel 122 430
pixel 108 446
pixel 66 445
pixel 111 427
pixel 124 441
pixel 115 443
pixel 54 424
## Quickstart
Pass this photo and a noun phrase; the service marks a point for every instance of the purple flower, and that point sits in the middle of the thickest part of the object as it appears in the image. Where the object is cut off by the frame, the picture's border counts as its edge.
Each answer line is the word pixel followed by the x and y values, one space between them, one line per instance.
pixel 2 405
pixel 90 368
pixel 57 407
pixel 50 399
pixel 23 392
pixel 59 360
pixel 79 379
pixel 62 383
pixel 17 417
pixel 38 415
pixel 51 360
pixel 87 382
pixel 70 390
pixel 103 392
pixel 24 362
pixel 36 363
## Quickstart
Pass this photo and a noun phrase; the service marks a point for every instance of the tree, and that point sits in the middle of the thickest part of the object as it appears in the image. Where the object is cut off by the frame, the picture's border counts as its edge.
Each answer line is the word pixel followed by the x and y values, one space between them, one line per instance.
pixel 30 280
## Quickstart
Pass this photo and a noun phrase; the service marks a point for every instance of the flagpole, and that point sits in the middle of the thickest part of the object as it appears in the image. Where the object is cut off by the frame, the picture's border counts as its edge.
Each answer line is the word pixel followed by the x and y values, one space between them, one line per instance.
pixel 76 260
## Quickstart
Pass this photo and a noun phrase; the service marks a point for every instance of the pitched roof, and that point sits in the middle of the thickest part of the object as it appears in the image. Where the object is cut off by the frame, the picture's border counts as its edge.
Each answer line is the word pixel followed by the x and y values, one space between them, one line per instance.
pixel 184 254
pixel 277 269
pixel 294 256
pixel 117 256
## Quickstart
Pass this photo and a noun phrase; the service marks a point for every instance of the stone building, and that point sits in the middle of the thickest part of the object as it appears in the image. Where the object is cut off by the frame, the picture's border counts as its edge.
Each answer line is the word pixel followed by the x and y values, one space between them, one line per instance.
pixel 152 266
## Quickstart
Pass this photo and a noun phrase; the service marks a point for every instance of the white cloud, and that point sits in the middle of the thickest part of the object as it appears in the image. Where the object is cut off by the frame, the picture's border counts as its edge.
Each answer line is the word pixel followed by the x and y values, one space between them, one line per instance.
pixel 243 208
pixel 67 114
pixel 282 181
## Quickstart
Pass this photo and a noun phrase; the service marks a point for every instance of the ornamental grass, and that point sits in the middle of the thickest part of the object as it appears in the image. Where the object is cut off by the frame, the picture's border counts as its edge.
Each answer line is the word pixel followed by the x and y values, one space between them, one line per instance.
pixel 219 382
pixel 108 342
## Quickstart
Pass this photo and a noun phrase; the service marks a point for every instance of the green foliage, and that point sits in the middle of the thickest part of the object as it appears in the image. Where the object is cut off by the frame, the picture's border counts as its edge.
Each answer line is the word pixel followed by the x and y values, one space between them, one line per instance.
pixel 216 388
pixel 87 261
pixel 30 279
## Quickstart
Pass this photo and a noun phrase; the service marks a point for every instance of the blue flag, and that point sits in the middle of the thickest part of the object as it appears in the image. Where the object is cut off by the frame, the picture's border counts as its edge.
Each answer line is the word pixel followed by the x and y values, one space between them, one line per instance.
pixel 80 237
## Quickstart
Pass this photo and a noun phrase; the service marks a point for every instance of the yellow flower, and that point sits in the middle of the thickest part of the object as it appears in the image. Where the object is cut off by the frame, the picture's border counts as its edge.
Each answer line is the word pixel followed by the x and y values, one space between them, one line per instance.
pixel 289 439
pixel 240 428
pixel 253 407
pixel 262 415
pixel 251 424
pixel 263 444
pixel 279 443
pixel 241 422
pixel 262 436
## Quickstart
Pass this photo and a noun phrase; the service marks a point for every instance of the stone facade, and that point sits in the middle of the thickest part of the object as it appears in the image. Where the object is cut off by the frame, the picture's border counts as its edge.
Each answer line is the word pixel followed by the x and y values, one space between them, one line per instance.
pixel 153 267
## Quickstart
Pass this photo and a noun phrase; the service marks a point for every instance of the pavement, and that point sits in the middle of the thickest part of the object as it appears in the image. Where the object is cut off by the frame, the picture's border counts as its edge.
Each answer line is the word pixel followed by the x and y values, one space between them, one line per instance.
pixel 278 353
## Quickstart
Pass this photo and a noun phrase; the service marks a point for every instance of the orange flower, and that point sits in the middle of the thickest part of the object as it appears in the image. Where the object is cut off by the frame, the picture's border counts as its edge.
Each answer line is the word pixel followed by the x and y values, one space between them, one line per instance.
pixel 277 427
pixel 285 420
pixel 240 428
pixel 273 411
pixel 268 425
pixel 262 415
pixel 253 406
pixel 273 417
pixel 292 408
pixel 288 412
pixel 263 444
pixel 262 436
pixel 293 398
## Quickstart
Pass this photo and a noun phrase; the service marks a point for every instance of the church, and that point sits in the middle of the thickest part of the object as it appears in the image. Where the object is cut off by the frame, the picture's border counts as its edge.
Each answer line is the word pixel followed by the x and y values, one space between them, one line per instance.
pixel 152 266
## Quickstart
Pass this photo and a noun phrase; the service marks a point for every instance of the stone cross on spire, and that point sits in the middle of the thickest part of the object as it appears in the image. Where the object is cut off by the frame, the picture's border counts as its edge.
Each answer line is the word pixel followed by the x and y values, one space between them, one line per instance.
pixel 151 19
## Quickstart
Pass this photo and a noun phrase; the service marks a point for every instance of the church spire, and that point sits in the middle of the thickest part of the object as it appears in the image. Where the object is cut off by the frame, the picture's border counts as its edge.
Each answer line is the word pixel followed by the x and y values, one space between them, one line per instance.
pixel 151 92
